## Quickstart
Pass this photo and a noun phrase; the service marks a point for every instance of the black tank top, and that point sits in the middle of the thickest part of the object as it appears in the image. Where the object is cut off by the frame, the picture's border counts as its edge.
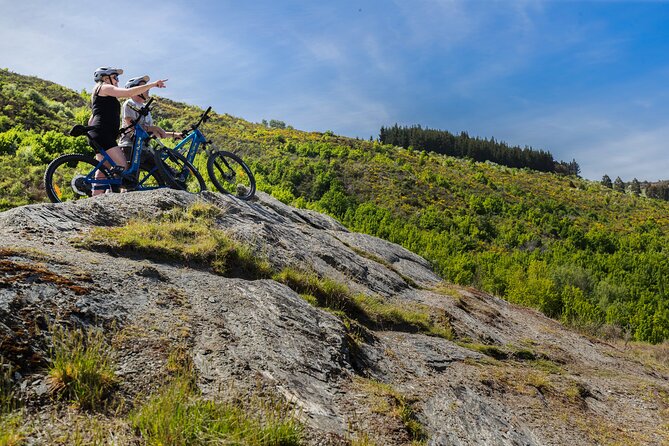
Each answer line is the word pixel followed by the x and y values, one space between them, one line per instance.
pixel 106 115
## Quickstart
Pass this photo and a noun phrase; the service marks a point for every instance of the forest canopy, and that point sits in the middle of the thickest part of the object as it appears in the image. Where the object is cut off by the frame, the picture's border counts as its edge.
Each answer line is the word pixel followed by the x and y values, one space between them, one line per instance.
pixel 478 149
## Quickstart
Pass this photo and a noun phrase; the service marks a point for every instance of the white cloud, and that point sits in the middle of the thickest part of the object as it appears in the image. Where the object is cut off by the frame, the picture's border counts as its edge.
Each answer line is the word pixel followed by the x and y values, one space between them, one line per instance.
pixel 640 153
pixel 603 138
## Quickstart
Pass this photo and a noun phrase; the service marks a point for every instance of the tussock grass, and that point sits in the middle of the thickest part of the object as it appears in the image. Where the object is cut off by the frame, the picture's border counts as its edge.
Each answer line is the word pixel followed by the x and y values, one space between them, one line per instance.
pixel 369 311
pixel 7 394
pixel 362 439
pixel 12 431
pixel 447 289
pixel 179 362
pixel 177 415
pixel 395 315
pixel 183 235
pixel 521 380
pixel 82 369
pixel 386 400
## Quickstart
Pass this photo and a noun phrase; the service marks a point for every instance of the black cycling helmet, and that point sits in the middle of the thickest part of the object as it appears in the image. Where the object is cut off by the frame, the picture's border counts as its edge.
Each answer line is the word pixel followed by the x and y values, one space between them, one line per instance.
pixel 135 81
pixel 106 71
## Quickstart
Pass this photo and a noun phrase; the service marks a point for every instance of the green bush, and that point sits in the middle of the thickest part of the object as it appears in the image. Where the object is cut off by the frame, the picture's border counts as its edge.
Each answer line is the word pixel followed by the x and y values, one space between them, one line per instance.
pixel 578 311
pixel 11 139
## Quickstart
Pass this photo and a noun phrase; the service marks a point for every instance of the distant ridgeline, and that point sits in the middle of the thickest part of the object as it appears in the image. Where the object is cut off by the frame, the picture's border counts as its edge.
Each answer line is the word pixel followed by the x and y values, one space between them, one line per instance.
pixel 464 146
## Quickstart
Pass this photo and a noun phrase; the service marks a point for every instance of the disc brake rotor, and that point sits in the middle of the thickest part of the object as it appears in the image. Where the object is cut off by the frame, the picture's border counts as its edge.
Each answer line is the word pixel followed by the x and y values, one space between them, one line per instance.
pixel 80 186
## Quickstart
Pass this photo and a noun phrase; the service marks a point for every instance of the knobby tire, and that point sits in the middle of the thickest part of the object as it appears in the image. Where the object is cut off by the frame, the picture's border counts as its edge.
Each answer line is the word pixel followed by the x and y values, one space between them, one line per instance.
pixel 177 172
pixel 231 175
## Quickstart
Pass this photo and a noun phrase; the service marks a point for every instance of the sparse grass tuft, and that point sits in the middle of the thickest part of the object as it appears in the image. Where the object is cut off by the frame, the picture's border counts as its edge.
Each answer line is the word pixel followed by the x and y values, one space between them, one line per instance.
pixel 409 316
pixel 447 289
pixel 489 350
pixel 201 210
pixel 7 400
pixel 177 415
pixel 577 392
pixel 82 370
pixel 369 311
pixel 361 439
pixel 184 235
pixel 326 292
pixel 538 380
pixel 387 401
pixel 524 355
pixel 12 431
pixel 179 362
pixel 546 366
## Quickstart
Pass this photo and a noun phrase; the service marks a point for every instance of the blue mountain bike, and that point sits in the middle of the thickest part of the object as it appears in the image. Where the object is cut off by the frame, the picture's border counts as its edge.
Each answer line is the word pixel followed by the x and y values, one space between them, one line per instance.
pixel 227 171
pixel 73 176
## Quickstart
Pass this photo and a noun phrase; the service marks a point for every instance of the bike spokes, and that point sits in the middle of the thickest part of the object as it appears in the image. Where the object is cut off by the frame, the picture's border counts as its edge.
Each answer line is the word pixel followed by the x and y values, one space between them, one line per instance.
pixel 231 175
pixel 69 177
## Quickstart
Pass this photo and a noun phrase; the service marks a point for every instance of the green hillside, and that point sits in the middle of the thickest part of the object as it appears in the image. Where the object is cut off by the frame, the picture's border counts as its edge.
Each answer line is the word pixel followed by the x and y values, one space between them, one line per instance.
pixel 582 253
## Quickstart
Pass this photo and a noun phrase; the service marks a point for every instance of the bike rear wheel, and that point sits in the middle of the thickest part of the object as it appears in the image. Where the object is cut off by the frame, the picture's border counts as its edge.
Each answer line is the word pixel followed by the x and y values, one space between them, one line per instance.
pixel 177 172
pixel 231 175
pixel 68 177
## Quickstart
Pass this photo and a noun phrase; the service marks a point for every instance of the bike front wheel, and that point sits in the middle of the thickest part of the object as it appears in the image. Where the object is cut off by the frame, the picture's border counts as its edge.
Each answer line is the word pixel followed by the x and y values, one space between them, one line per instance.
pixel 68 177
pixel 231 175
pixel 177 172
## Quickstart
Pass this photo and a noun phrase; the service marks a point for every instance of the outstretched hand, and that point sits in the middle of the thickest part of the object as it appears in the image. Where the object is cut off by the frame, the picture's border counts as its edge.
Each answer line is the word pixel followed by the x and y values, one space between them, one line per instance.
pixel 160 83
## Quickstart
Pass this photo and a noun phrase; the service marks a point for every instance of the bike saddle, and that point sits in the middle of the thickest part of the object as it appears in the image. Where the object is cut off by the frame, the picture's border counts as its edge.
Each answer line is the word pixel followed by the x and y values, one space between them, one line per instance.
pixel 79 130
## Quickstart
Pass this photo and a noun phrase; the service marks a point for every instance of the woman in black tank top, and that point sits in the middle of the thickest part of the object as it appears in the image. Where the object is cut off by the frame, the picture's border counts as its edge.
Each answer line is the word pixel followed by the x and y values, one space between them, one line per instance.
pixel 106 115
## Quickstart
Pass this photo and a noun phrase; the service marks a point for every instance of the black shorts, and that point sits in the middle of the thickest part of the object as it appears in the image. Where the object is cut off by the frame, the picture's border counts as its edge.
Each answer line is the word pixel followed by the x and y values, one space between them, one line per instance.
pixel 101 141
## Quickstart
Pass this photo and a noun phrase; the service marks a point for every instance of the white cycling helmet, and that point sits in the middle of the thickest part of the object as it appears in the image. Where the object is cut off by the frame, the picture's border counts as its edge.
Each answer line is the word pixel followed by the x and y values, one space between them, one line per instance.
pixel 106 71
pixel 135 81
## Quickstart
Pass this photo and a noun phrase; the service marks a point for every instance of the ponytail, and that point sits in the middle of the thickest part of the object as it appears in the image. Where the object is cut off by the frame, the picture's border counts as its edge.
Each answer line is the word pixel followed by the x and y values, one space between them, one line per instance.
pixel 96 91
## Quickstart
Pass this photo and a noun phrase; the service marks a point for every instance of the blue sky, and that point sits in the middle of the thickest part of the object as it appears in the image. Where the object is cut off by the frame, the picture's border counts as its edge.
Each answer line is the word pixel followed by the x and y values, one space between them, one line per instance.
pixel 584 80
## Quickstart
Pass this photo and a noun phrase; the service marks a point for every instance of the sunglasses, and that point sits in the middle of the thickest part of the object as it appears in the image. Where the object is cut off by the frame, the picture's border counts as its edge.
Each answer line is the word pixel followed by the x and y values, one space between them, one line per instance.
pixel 114 76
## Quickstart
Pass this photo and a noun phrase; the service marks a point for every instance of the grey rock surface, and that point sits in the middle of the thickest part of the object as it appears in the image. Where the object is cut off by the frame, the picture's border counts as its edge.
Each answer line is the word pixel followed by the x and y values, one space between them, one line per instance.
pixel 506 378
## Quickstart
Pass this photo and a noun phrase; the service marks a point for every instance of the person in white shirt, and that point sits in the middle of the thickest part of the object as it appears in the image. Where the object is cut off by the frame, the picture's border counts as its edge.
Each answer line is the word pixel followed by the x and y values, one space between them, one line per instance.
pixel 129 113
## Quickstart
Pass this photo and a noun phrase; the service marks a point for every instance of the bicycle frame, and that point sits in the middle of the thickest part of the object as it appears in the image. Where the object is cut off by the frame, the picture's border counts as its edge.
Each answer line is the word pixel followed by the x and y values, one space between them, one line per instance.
pixel 133 171
pixel 195 139
pixel 189 146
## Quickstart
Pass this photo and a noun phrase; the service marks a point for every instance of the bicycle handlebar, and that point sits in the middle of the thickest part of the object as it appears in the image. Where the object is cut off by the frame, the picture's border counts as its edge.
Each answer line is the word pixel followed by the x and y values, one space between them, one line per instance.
pixel 202 119
pixel 140 114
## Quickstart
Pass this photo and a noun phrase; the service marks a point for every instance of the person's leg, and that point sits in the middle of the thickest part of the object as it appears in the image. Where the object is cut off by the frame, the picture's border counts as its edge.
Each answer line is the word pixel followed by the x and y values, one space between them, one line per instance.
pixel 116 154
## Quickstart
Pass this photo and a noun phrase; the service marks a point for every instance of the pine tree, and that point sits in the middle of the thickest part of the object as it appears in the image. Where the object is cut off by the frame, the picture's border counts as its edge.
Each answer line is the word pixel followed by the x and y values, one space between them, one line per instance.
pixel 618 185
pixel 636 187
pixel 606 181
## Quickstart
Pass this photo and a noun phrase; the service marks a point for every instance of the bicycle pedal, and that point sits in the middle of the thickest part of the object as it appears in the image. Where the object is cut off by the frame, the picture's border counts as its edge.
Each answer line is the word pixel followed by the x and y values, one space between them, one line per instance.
pixel 117 171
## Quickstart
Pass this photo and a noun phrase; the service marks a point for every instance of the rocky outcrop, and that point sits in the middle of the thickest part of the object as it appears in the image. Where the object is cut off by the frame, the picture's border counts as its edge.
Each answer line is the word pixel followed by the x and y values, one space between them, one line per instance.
pixel 508 376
